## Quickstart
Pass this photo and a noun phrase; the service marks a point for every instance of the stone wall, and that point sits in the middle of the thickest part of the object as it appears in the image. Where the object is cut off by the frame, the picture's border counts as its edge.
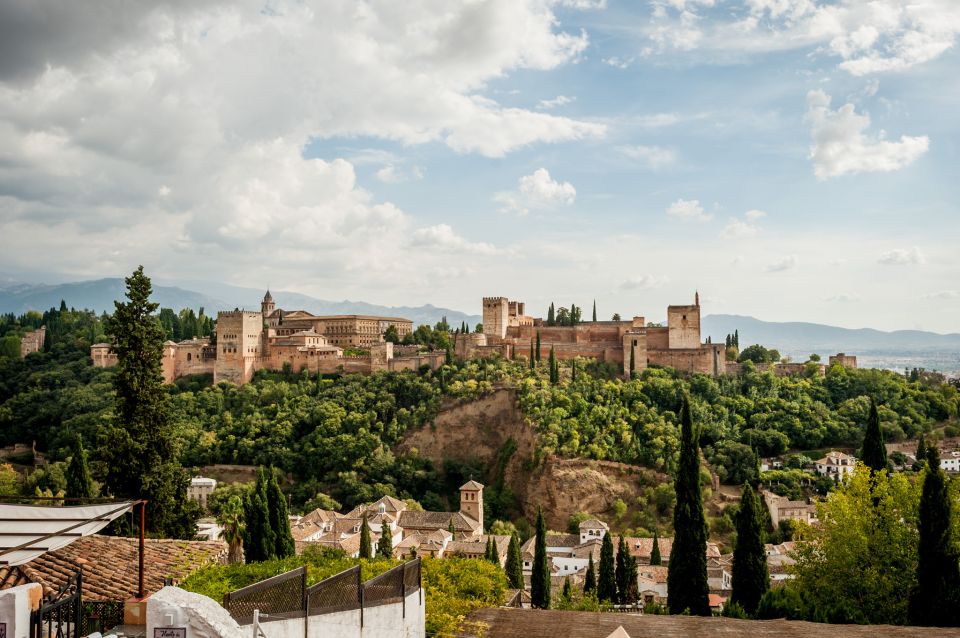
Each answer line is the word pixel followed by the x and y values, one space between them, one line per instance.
pixel 32 341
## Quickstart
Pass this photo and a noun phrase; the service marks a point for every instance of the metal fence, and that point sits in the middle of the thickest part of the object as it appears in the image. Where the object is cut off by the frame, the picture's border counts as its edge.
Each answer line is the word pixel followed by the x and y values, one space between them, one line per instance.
pixel 287 596
pixel 100 615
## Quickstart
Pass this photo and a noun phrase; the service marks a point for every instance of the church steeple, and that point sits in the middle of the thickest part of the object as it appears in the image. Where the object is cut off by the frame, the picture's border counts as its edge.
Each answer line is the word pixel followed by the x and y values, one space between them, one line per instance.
pixel 267 305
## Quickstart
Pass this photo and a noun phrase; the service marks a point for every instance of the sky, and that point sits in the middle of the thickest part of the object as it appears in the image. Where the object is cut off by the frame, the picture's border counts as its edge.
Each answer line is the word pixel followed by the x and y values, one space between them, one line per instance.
pixel 793 160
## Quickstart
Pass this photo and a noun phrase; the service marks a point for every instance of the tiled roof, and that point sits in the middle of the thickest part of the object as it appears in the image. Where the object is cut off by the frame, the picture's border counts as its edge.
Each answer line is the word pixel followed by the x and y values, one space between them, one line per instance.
pixel 110 565
pixel 471 485
pixel 437 520
pixel 566 541
pixel 593 523
pixel 656 573
pixel 478 546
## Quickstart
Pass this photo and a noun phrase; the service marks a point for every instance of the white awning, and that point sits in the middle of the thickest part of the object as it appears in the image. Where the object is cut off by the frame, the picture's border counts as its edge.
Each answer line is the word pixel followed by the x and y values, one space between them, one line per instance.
pixel 29 531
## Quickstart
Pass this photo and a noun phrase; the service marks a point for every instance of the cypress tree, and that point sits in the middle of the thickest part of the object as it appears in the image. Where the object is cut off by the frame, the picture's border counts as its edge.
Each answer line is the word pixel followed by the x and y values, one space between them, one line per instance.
pixel 532 356
pixel 874 452
pixel 554 373
pixel 259 542
pixel 607 583
pixel 935 600
pixel 79 482
pixel 750 577
pixel 486 550
pixel 921 449
pixel 594 311
pixel 540 578
pixel 551 316
pixel 590 581
pixel 655 550
pixel 450 527
pixel 366 549
pixel 633 361
pixel 538 346
pixel 736 339
pixel 448 358
pixel 385 544
pixel 573 370
pixel 632 593
pixel 687 588
pixel 514 566
pixel 566 589
pixel 138 446
pixel 494 552
pixel 279 522
pixel 621 573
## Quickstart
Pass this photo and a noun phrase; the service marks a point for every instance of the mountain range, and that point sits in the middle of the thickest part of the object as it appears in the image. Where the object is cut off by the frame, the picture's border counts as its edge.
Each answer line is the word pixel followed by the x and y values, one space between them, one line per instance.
pixel 875 348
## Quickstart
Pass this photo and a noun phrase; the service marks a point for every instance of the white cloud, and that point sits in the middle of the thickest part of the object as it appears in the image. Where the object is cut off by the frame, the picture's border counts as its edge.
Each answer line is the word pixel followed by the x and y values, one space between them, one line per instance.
pixel 737 229
pixel 688 209
pixel 844 297
pixel 866 37
pixel 942 294
pixel 441 237
pixel 643 282
pixel 903 257
pixel 393 174
pixel 786 263
pixel 584 5
pixel 754 214
pixel 618 62
pixel 537 191
pixel 653 157
pixel 560 100
pixel 840 145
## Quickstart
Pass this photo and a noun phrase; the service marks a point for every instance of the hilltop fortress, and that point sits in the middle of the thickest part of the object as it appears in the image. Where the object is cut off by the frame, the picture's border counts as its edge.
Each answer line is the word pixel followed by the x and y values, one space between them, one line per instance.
pixel 509 332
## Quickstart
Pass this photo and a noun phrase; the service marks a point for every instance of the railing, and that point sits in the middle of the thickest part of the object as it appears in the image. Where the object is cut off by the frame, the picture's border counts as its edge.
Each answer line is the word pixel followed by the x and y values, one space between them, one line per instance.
pixel 287 596
pixel 101 616
pixel 59 614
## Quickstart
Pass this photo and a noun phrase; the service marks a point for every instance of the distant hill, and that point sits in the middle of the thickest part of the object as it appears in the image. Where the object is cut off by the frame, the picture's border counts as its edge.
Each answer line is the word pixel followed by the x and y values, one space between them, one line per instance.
pixel 100 294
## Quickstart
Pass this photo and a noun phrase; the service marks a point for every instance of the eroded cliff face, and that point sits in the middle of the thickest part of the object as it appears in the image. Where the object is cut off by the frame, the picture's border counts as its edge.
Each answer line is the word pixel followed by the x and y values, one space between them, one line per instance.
pixel 477 430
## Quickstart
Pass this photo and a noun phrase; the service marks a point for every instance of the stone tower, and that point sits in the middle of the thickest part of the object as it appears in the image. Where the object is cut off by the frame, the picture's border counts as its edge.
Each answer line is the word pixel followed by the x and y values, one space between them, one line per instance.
pixel 683 324
pixel 471 501
pixel 239 345
pixel 496 316
pixel 267 305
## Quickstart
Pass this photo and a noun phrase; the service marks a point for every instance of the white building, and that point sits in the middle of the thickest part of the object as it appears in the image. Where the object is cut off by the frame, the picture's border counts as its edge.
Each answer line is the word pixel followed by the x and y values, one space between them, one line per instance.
pixel 836 465
pixel 200 489
pixel 950 463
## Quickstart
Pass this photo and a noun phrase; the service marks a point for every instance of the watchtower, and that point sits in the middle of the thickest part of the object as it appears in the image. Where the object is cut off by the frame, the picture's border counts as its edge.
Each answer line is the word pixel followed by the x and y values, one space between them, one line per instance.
pixel 267 305
pixel 496 316
pixel 471 501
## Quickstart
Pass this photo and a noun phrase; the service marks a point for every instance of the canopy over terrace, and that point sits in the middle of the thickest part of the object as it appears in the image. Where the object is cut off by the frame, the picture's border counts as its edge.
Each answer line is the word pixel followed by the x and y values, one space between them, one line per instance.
pixel 28 531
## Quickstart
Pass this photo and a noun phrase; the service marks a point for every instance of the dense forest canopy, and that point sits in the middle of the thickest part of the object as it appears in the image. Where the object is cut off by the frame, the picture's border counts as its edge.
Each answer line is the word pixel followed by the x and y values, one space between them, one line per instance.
pixel 336 435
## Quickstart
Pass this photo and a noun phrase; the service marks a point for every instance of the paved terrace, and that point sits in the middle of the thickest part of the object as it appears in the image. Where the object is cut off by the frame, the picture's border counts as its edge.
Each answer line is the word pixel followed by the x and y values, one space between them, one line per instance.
pixel 535 623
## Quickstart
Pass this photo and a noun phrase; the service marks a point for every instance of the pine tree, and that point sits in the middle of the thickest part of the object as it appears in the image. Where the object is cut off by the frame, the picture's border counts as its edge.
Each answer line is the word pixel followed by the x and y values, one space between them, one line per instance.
pixel 621 573
pixel 514 566
pixel 279 521
pixel 385 544
pixel 655 551
pixel 538 346
pixel 259 542
pixel 366 548
pixel 594 311
pixel 607 583
pixel 590 580
pixel 540 577
pixel 935 600
pixel 79 482
pixel 687 588
pixel 138 446
pixel 750 577
pixel 874 452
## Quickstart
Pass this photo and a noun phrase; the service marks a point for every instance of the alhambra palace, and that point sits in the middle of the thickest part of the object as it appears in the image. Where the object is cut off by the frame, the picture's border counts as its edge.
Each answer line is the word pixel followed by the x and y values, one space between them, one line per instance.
pixel 275 339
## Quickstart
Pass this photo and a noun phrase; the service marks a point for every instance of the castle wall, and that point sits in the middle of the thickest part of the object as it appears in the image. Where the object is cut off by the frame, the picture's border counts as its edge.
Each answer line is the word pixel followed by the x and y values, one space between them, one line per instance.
pixel 683 323
pixel 708 359
pixel 635 342
pixel 658 338
pixel 846 360
pixel 32 341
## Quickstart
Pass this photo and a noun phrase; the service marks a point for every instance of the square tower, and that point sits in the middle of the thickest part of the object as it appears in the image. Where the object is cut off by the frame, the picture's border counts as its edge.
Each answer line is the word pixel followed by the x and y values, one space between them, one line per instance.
pixel 683 324
pixel 496 316
pixel 471 501
pixel 239 337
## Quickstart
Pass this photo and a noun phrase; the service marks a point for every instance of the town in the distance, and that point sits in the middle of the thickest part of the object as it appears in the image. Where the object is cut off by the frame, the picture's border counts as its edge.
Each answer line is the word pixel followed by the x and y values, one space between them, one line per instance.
pixel 361 475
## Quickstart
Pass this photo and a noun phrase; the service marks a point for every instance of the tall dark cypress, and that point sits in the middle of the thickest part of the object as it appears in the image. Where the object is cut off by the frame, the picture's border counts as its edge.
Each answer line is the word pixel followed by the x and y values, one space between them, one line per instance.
pixel 259 542
pixel 494 552
pixel 366 548
pixel 750 577
pixel 554 372
pixel 594 311
pixel 633 361
pixel 607 582
pixel 632 592
pixel 514 565
pixel 279 521
pixel 687 588
pixel 573 371
pixel 533 360
pixel 655 550
pixel 538 346
pixel 551 316
pixel 385 542
pixel 621 573
pixel 540 576
pixel 935 601
pixel 874 452
pixel 79 482
pixel 590 580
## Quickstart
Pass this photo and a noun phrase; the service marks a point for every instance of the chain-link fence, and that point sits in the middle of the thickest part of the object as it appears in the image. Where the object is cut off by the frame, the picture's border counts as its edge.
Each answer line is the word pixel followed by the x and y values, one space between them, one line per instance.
pixel 287 596
pixel 279 598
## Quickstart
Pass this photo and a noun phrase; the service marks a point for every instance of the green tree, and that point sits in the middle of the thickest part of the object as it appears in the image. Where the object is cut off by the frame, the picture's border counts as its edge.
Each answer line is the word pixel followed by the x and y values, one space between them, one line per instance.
pixel 366 548
pixel 385 543
pixel 540 576
pixel 874 452
pixel 935 601
pixel 514 565
pixel 259 542
pixel 554 371
pixel 622 570
pixel 538 347
pixel 391 334
pixel 279 520
pixel 533 356
pixel 551 315
pixel 750 577
pixel 607 583
pixel 594 311
pixel 231 519
pixel 494 552
pixel 138 447
pixel 566 590
pixel 687 588
pixel 633 360
pixel 590 580
pixel 655 550
pixel 79 482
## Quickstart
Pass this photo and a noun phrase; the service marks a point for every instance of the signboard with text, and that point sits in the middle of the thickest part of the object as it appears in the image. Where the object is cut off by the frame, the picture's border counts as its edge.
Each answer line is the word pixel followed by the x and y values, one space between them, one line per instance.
pixel 167 632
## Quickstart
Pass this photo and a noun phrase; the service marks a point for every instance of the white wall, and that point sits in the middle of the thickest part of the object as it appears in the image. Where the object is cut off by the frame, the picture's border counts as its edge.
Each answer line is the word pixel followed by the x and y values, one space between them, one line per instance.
pixel 201 616
pixel 15 606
